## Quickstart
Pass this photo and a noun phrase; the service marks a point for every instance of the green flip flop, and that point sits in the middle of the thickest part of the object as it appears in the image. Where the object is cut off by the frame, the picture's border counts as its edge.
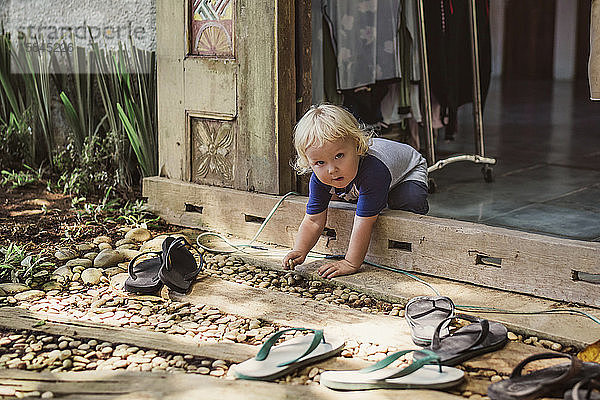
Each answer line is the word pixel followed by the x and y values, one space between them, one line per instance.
pixel 271 361
pixel 421 374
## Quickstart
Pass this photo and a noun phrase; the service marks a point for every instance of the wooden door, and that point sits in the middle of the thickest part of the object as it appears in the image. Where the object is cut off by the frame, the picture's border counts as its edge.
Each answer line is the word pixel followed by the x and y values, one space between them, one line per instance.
pixel 226 87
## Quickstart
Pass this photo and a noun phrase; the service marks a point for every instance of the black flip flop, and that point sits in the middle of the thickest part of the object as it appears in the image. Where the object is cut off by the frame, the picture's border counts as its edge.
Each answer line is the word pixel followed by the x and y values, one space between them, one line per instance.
pixel 547 382
pixel 143 277
pixel 585 389
pixel 424 313
pixel 482 336
pixel 179 269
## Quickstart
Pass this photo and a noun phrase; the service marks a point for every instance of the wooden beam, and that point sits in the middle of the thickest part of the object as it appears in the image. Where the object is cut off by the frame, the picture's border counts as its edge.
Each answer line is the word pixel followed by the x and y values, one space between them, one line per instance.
pixel 150 386
pixel 283 309
pixel 464 251
pixel 18 318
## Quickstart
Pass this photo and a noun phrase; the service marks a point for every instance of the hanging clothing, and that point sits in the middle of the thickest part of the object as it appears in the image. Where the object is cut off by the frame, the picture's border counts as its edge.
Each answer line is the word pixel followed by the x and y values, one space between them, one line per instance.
pixel 449 54
pixel 594 60
pixel 365 37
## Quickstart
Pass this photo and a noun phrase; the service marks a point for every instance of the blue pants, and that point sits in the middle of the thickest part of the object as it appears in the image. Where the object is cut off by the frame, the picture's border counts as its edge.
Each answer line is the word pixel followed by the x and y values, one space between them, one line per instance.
pixel 409 196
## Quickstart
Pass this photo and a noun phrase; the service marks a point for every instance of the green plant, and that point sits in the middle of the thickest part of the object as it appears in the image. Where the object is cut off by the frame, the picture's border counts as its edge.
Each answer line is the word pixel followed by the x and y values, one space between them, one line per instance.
pixel 21 178
pixel 15 140
pixel 139 112
pixel 135 213
pixel 17 267
pixel 81 114
pixel 36 76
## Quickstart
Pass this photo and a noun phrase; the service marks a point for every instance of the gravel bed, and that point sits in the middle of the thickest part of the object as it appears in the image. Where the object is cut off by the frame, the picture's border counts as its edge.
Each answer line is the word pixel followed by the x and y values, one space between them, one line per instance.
pixel 80 288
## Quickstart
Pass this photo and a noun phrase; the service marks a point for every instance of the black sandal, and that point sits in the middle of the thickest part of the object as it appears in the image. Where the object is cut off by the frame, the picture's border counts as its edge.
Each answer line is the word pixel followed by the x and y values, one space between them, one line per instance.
pixel 585 389
pixel 482 336
pixel 547 382
pixel 179 268
pixel 143 277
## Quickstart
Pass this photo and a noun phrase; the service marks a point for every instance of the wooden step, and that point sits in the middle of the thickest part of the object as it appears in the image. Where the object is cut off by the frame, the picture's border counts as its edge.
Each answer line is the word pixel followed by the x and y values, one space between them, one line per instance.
pixel 150 386
pixel 489 256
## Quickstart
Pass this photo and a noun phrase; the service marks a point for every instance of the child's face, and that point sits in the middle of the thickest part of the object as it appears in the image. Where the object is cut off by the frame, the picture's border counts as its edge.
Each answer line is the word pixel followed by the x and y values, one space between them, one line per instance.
pixel 334 163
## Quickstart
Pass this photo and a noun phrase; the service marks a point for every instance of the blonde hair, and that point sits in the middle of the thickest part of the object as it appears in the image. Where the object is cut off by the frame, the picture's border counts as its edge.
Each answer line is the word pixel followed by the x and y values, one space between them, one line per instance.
pixel 326 123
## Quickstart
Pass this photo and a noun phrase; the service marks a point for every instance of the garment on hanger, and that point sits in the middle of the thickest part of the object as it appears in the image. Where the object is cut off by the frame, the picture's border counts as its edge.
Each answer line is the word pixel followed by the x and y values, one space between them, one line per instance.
pixel 365 39
pixel 594 60
pixel 449 55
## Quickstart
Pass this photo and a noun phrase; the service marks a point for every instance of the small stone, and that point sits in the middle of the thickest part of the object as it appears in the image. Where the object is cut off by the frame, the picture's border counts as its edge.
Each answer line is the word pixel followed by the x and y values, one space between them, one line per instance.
pixel 102 239
pixel 84 247
pixel 254 324
pixel 30 295
pixel 47 395
pixel 496 378
pixel 556 346
pixel 52 285
pixel 76 262
pixel 138 235
pixel 65 253
pixel 91 276
pixel 13 288
pixel 108 258
pixel 91 255
pixel 153 245
pixel 512 336
pixel 123 241
pixel 104 246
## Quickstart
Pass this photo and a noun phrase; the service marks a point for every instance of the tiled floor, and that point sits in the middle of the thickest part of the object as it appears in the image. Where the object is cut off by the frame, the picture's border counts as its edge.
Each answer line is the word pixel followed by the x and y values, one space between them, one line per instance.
pixel 546 139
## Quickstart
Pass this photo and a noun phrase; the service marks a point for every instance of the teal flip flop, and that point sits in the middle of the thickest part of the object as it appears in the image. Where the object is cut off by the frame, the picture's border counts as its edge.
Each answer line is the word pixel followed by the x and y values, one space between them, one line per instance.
pixel 421 374
pixel 272 362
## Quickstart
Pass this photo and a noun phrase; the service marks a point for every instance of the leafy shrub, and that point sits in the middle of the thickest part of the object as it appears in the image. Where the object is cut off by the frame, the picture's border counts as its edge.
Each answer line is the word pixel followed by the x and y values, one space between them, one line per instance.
pixel 17 267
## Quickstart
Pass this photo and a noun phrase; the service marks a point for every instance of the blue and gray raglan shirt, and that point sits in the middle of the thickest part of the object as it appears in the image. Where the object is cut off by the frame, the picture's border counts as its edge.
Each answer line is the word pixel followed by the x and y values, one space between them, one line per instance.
pixel 386 164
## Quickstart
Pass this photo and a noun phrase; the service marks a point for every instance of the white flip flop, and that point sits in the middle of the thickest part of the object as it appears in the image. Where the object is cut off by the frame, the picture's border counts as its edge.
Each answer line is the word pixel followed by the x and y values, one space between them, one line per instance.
pixel 272 362
pixel 418 375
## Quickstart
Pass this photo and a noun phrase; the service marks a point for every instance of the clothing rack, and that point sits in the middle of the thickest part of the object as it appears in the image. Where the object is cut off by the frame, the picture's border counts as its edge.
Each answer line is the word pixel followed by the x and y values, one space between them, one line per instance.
pixel 479 157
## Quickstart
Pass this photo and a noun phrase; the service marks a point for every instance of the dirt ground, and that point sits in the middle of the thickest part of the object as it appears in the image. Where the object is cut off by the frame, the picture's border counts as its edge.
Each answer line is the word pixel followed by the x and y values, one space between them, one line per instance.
pixel 32 216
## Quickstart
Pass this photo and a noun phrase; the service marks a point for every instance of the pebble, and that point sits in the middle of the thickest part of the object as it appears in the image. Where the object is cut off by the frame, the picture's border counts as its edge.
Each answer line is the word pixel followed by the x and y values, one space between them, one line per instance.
pixel 76 262
pixel 13 288
pixel 102 239
pixel 108 258
pixel 138 235
pixel 65 254
pixel 30 295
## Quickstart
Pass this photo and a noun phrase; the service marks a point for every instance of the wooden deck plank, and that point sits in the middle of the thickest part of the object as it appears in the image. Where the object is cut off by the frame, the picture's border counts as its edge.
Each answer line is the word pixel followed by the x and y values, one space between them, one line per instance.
pixel 142 386
pixel 530 263
pixel 284 309
pixel 18 318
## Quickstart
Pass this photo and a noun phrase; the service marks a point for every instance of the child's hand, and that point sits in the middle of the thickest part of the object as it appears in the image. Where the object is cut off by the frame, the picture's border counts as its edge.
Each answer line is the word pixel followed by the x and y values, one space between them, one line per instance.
pixel 341 267
pixel 292 259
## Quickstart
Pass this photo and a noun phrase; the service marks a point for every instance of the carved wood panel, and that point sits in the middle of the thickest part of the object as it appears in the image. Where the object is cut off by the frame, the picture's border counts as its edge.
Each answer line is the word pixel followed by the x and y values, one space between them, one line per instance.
pixel 213 153
pixel 211 28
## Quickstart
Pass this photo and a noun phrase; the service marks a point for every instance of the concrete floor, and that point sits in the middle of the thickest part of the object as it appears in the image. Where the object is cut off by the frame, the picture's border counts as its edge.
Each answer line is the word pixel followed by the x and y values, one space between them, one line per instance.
pixel 546 139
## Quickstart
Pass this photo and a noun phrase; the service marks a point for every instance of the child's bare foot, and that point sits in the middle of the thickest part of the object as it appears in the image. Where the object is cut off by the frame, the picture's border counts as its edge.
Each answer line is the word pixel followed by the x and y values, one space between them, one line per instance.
pixel 341 267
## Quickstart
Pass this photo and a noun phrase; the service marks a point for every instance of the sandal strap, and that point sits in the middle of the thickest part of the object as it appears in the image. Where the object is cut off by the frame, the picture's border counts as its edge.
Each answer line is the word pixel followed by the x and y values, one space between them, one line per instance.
pixel 266 347
pixel 483 333
pixel 573 369
pixel 430 358
pixel 132 262
pixel 590 383
pixel 178 243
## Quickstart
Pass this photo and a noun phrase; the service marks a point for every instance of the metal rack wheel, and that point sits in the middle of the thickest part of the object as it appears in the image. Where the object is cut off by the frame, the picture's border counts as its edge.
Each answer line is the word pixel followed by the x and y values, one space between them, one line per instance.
pixel 488 173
